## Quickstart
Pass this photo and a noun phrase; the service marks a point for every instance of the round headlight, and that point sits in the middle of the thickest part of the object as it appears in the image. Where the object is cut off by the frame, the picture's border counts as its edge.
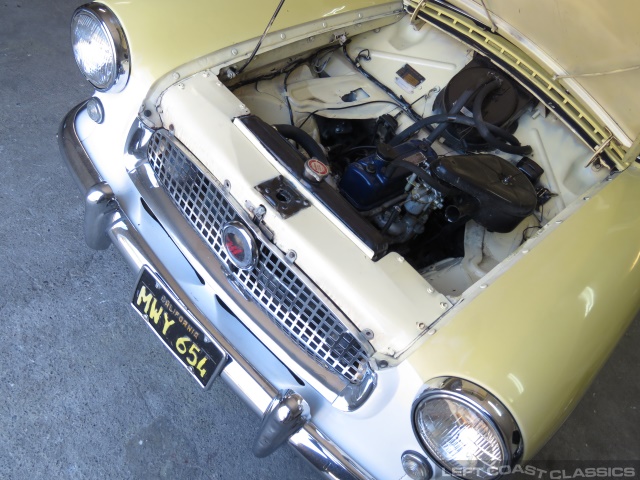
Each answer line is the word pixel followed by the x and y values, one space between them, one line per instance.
pixel 100 47
pixel 466 429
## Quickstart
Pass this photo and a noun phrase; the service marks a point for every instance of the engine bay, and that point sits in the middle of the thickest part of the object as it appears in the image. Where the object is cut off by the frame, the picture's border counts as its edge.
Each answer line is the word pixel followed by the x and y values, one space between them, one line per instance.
pixel 422 147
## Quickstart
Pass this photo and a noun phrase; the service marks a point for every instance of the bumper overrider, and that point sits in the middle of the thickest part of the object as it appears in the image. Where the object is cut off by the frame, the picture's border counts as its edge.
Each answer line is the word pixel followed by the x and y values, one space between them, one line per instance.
pixel 285 412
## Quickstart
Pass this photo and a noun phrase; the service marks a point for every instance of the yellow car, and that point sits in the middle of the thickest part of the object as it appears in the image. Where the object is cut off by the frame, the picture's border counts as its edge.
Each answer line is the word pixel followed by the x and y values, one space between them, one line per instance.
pixel 406 233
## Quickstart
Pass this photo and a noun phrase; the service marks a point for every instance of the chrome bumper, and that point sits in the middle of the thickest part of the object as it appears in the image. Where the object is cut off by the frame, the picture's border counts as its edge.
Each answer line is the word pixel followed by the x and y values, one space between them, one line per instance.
pixel 106 223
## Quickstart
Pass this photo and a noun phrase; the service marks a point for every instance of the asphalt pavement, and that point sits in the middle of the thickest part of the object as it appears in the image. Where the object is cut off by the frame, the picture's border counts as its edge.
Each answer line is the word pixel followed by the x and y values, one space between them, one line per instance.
pixel 86 390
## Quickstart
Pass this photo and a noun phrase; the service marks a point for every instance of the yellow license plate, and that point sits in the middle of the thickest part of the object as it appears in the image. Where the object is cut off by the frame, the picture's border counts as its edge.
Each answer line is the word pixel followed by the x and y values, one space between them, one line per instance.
pixel 177 329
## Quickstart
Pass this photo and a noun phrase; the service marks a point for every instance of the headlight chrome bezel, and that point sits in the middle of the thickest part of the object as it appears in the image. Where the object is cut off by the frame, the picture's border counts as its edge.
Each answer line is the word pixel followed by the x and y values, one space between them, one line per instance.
pixel 483 404
pixel 110 25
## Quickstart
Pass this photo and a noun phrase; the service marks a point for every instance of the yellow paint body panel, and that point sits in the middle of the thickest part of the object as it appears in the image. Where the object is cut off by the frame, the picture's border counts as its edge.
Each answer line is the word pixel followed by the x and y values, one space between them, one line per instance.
pixel 537 336
pixel 165 34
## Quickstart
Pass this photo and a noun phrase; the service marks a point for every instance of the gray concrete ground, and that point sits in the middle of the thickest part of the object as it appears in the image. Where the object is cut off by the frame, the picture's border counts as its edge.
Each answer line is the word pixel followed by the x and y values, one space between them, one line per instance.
pixel 77 401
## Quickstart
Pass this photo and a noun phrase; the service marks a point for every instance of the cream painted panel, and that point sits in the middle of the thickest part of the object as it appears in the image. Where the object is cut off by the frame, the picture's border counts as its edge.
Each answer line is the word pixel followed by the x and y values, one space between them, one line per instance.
pixel 389 296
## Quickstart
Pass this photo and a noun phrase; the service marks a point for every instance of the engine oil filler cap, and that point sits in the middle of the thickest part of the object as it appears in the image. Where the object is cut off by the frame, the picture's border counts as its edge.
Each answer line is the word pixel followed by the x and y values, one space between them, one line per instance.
pixel 315 170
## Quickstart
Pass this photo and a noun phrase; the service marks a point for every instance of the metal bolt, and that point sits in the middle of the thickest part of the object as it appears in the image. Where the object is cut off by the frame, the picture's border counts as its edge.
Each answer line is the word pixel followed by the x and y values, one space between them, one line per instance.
pixel 558 222
pixel 160 110
pixel 176 75
pixel 181 86
pixel 431 331
pixel 429 290
pixel 483 286
pixel 525 251
pixel 324 24
pixel 311 39
pixel 377 30
pixel 206 74
pixel 227 185
pixel 291 255
pixel 206 339
pixel 368 333
pixel 283 36
pixel 421 325
pixel 219 84
pixel 443 305
pixel 260 211
pixel 234 52
pixel 383 364
pixel 586 198
pixel 401 259
pixel 242 106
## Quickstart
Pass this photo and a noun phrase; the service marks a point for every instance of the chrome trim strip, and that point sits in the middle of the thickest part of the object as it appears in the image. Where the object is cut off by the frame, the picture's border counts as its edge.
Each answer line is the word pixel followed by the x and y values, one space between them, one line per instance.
pixel 99 198
pixel 243 378
pixel 75 157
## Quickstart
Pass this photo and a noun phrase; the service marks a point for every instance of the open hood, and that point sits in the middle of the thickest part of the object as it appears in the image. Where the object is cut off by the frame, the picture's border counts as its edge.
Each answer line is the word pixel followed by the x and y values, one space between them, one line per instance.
pixel 591 48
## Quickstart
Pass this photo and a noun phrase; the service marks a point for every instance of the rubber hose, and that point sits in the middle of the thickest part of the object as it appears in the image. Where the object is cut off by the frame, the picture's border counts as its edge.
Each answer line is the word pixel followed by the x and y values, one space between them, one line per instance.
pixel 444 117
pixel 303 139
pixel 483 129
pixel 455 109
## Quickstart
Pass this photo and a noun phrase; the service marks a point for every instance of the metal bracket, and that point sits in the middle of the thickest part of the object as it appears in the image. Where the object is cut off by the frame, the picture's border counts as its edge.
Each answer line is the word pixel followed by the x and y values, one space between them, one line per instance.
pixel 282 196
pixel 596 154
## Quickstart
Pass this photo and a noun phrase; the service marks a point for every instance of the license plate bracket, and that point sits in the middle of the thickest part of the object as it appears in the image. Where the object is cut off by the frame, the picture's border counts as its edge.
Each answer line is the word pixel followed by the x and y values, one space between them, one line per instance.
pixel 178 330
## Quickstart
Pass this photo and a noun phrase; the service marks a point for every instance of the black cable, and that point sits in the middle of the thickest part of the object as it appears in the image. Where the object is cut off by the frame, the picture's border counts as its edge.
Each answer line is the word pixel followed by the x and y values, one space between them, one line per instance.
pixel 346 107
pixel 285 69
pixel 401 102
pixel 264 34
pixel 485 132
pixel 286 94
pixel 524 233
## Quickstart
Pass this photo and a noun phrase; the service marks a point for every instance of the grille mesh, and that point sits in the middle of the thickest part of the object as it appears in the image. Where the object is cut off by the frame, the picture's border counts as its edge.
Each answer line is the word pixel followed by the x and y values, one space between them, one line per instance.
pixel 287 300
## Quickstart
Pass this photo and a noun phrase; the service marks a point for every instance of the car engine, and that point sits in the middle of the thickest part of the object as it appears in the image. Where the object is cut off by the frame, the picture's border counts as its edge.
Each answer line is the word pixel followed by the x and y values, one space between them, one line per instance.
pixel 424 183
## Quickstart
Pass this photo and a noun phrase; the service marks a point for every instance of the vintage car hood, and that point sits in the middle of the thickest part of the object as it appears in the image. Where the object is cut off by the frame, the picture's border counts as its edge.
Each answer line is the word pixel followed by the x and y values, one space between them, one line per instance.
pixel 592 47
pixel 209 26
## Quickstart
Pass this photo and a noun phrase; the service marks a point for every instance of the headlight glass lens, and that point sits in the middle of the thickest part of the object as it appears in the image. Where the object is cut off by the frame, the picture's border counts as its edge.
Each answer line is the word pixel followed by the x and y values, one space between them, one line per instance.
pixel 460 437
pixel 94 49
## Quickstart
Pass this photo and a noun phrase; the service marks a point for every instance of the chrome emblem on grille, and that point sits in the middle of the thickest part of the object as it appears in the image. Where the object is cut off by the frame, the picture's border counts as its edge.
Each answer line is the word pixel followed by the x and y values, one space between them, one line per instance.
pixel 239 245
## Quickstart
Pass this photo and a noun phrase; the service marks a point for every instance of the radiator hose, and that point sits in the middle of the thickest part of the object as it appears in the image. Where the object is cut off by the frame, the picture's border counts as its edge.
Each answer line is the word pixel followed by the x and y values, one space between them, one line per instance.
pixel 303 139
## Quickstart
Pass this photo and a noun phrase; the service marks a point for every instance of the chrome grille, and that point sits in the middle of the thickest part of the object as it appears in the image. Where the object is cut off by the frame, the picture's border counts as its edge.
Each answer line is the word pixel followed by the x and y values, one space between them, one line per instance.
pixel 286 298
